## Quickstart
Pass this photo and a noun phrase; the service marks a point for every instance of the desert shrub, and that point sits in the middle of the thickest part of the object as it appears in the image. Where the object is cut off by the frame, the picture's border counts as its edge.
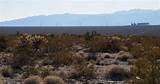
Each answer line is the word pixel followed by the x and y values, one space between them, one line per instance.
pixel 6 71
pixel 27 49
pixel 38 41
pixel 85 70
pixel 102 44
pixel 53 80
pixel 22 56
pixel 87 36
pixel 147 69
pixel 3 43
pixel 62 58
pixel 32 70
pixel 29 71
pixel 118 74
pixel 61 42
pixel 43 72
pixel 137 51
pixel 6 58
pixel 33 80
pixel 79 59
pixel 23 51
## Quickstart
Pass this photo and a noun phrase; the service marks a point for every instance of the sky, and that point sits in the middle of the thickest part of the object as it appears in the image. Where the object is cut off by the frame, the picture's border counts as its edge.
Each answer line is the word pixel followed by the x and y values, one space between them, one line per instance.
pixel 14 9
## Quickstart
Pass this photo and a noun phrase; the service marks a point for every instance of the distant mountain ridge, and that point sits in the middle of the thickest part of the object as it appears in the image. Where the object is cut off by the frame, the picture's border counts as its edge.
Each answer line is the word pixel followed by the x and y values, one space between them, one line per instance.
pixel 112 19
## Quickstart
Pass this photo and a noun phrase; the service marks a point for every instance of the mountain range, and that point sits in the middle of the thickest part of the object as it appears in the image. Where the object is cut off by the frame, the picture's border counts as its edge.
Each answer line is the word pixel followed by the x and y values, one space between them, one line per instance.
pixel 111 19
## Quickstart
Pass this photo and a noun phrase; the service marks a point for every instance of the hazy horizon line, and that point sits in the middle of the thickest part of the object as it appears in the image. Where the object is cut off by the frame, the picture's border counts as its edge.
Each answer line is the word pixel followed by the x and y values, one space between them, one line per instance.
pixel 80 13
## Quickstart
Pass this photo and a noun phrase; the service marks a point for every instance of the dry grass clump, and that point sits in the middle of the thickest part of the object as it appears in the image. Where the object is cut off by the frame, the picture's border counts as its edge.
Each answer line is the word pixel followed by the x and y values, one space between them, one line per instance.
pixel 29 71
pixel 63 57
pixel 53 80
pixel 33 80
pixel 85 70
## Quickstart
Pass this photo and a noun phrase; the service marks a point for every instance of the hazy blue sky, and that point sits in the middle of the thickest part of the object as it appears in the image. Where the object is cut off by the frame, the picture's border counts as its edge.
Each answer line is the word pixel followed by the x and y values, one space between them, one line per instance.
pixel 11 9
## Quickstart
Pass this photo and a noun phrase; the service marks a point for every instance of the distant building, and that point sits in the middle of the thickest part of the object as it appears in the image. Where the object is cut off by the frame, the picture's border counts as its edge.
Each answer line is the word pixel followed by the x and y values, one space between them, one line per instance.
pixel 140 24
pixel 133 24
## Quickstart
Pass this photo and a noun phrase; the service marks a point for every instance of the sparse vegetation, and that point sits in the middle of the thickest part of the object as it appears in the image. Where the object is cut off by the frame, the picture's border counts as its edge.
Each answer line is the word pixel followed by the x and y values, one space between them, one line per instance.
pixel 80 57
pixel 147 69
